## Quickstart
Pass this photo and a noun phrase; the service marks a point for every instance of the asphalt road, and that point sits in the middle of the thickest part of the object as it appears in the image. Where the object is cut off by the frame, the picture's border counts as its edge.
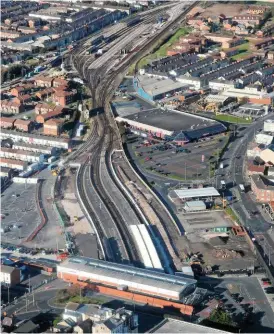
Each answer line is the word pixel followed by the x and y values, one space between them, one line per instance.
pixel 234 174
pixel 39 300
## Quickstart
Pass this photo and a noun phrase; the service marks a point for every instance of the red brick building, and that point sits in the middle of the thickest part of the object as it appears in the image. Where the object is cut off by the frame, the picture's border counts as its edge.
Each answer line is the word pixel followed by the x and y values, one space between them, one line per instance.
pixel 11 107
pixel 23 125
pixel 56 112
pixel 45 93
pixel 24 99
pixel 42 108
pixel 53 127
pixel 263 188
pixel 57 82
pixel 7 122
pixel 43 81
pixel 255 169
pixel 64 97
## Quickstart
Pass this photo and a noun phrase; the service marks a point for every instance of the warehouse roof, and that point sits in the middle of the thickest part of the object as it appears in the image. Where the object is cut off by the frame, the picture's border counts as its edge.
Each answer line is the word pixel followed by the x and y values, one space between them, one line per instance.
pixel 127 273
pixel 195 193
pixel 155 86
pixel 170 120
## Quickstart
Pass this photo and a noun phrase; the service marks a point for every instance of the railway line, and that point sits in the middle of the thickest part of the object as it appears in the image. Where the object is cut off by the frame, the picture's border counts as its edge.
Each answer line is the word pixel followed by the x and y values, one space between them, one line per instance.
pixel 101 83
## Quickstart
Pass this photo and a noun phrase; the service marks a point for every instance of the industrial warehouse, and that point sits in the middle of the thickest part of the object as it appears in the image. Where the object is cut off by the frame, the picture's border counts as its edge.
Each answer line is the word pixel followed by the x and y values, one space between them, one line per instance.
pixel 172 125
pixel 128 282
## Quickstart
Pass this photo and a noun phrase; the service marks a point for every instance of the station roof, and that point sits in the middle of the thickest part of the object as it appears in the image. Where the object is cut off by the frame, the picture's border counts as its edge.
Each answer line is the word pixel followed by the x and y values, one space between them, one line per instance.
pixel 127 273
pixel 195 193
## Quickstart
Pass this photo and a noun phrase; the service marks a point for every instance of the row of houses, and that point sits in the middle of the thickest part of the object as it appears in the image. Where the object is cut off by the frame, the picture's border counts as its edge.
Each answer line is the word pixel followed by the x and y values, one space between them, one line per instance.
pixel 13 123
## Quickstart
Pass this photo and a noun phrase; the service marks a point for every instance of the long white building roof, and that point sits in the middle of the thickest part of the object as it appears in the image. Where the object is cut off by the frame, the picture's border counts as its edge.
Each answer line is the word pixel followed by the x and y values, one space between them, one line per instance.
pixel 153 282
pixel 196 193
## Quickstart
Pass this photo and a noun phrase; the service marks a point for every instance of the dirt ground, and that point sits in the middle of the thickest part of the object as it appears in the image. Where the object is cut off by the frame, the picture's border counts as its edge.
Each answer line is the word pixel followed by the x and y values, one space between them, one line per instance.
pixel 72 208
pixel 226 9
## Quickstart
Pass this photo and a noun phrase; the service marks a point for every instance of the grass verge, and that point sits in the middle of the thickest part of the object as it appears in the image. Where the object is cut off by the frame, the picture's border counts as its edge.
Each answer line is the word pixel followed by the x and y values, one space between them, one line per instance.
pixel 233 119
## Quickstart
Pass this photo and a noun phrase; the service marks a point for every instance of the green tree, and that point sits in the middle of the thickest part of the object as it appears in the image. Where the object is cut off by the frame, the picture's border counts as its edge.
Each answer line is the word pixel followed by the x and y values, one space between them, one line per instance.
pixel 221 317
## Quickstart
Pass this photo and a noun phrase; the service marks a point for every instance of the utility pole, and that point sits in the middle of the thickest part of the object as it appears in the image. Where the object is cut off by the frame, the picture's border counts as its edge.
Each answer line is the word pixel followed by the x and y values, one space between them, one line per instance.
pixel 8 294
pixel 26 302
pixel 185 170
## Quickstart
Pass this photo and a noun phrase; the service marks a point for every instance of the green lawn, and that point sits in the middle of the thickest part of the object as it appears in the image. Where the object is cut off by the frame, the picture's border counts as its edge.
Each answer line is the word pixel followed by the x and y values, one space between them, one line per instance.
pixel 233 119
pixel 244 51
pixel 161 51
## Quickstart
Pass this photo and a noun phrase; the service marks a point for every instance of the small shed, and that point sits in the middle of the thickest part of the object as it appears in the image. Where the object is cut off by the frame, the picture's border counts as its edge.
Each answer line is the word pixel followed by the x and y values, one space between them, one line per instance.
pixel 194 206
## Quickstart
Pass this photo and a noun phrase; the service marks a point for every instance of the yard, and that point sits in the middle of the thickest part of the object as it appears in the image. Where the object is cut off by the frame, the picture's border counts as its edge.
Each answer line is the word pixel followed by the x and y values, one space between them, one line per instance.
pixel 233 119
pixel 244 51
pixel 162 49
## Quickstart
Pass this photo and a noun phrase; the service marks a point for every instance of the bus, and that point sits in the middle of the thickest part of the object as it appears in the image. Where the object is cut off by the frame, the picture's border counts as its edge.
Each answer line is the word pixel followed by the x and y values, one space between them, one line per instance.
pixel 242 188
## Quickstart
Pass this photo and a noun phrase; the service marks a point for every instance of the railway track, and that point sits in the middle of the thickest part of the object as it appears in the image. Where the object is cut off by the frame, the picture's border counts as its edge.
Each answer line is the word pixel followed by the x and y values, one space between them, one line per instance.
pixel 101 93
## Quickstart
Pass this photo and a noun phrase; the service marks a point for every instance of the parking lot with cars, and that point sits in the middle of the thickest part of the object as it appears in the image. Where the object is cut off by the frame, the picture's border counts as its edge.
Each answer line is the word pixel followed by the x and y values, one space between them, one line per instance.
pixel 193 161
pixel 19 214
pixel 243 297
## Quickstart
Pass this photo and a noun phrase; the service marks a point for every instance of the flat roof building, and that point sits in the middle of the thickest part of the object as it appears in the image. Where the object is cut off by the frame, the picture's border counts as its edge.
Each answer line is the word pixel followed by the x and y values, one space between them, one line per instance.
pixel 172 124
pixel 127 281
pixel 155 88
pixel 185 194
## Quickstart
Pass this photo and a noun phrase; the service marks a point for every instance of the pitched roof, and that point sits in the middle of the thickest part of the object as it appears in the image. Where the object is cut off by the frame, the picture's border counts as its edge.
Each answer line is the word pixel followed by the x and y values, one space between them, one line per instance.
pixel 9 120
pixel 22 122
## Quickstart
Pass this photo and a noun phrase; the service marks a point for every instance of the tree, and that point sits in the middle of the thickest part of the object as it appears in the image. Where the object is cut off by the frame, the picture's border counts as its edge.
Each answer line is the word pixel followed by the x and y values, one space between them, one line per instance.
pixel 74 290
pixel 221 317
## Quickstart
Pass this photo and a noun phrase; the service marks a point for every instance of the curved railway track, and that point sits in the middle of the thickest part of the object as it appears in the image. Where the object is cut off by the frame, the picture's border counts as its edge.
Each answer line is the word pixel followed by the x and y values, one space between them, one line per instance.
pixel 101 93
